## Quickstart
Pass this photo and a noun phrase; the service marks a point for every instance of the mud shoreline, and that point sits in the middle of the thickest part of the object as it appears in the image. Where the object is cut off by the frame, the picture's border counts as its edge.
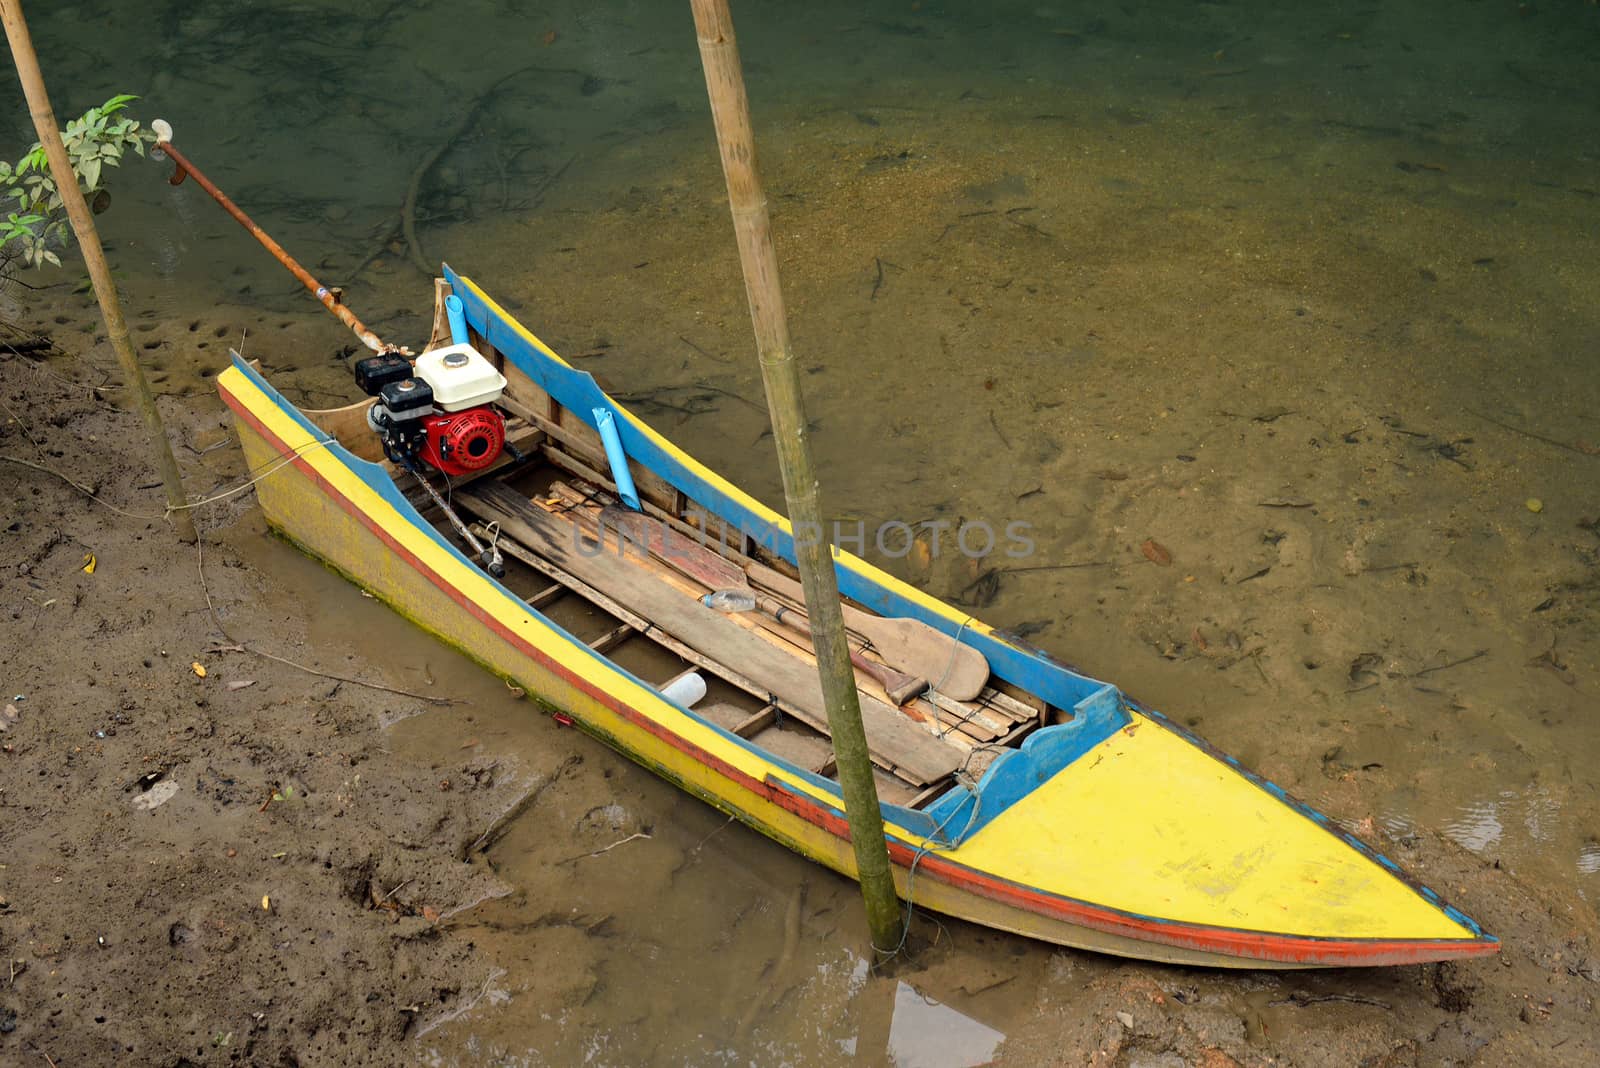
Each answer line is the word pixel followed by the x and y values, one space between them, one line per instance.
pixel 1253 288
pixel 301 898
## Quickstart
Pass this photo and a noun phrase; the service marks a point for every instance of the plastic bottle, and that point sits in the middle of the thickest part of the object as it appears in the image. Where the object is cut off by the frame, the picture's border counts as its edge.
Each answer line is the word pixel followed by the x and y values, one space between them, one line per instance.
pixel 730 600
pixel 685 690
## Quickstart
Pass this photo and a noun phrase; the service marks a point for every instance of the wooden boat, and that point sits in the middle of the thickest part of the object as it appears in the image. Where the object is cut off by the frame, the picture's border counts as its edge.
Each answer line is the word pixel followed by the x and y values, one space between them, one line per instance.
pixel 1050 804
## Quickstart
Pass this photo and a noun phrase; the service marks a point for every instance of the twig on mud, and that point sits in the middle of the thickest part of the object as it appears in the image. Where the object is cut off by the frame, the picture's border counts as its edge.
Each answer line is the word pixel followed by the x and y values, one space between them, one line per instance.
pixel 43 1054
pixel 91 494
pixel 25 431
pixel 464 1007
pixel 775 971
pixel 1057 567
pixel 702 351
pixel 1451 664
pixel 396 890
pixel 607 849
pixel 85 490
pixel 94 391
pixel 550 180
pixel 1300 997
pixel 345 678
pixel 710 836
pixel 1001 434
pixel 1580 449
pixel 408 210
pixel 237 646
pixel 515 809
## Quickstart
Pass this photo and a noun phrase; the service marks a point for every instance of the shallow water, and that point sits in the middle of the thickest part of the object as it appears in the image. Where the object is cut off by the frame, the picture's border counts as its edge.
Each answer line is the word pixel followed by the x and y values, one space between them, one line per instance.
pixel 1307 297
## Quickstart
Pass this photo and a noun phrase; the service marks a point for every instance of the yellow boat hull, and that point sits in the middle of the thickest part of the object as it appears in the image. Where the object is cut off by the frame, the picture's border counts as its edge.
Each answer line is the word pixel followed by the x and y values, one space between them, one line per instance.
pixel 1146 844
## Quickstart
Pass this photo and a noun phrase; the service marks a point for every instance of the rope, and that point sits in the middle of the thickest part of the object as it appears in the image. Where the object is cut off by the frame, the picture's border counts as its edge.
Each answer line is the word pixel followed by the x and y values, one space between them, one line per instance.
pixel 966 782
pixel 244 486
pixel 955 647
pixel 167 514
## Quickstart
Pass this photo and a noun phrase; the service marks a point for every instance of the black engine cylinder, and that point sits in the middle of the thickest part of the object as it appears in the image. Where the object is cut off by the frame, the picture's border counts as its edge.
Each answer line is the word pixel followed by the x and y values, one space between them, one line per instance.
pixel 400 417
pixel 375 372
pixel 409 398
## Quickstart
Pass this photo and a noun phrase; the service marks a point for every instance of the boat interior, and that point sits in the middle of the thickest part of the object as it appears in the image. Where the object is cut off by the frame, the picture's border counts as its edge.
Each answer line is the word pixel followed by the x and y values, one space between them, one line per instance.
pixel 632 585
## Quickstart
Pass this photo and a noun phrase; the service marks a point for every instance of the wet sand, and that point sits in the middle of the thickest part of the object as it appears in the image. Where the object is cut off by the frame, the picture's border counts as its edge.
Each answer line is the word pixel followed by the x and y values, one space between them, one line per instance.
pixel 1121 281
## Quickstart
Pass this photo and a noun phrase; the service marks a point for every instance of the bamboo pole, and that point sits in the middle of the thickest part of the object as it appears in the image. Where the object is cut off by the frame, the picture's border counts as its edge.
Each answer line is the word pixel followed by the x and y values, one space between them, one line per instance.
pixel 105 290
pixel 780 374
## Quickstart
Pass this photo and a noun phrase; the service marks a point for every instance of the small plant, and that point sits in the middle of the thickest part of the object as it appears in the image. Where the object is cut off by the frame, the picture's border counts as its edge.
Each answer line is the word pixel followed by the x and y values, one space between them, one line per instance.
pixel 94 140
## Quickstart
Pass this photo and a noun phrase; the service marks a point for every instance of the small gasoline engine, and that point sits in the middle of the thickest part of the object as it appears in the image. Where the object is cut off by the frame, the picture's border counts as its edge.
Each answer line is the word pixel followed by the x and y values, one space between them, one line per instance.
pixel 439 410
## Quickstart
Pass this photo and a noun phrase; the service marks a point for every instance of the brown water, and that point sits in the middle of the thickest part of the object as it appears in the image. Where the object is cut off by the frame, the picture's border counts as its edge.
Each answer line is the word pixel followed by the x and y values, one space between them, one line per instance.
pixel 1307 298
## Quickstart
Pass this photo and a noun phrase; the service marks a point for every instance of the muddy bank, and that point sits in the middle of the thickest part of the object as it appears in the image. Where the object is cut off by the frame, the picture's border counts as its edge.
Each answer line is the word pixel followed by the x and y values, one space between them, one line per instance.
pixel 1534 1004
pixel 1323 348
pixel 231 867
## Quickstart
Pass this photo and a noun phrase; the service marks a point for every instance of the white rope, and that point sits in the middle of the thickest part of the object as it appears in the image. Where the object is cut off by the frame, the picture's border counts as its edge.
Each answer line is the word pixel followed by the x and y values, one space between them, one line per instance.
pixel 955 651
pixel 167 514
pixel 241 488
pixel 966 782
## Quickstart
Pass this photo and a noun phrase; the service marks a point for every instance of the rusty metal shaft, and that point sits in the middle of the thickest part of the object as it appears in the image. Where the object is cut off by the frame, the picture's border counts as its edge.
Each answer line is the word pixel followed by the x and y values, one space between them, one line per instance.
pixel 185 169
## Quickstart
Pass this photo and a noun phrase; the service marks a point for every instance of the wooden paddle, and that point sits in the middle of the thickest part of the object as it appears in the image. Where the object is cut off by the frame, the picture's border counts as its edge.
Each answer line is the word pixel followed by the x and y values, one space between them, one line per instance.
pixel 955 670
pixel 900 687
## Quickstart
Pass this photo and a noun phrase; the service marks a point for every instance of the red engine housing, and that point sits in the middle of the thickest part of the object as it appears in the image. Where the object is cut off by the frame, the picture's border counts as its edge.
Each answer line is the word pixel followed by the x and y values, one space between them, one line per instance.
pixel 459 443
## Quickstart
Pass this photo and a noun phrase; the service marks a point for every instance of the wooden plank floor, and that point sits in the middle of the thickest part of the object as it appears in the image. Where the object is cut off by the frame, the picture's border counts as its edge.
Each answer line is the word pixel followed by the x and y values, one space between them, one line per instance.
pixel 910 750
pixel 992 717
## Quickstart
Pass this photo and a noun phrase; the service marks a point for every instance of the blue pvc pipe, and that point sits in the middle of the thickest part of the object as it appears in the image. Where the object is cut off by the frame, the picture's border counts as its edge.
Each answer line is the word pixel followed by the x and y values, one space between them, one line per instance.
pixel 458 319
pixel 607 425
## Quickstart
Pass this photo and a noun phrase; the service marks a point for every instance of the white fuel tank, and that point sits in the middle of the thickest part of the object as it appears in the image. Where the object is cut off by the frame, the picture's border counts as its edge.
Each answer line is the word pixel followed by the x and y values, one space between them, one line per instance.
pixel 460 377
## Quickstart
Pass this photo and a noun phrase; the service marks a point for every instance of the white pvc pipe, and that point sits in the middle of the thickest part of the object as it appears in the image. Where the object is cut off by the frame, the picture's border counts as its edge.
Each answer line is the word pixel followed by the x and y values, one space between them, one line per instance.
pixel 685 690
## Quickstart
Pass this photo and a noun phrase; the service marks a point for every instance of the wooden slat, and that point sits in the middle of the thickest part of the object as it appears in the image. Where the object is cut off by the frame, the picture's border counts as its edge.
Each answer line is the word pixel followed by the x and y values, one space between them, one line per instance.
pixel 891 737
pixel 592 496
pixel 1003 702
pixel 547 595
pixel 440 336
pixel 969 711
pixel 752 725
pixel 928 794
pixel 585 473
pixel 613 638
pixel 672 645
pixel 714 571
pixel 692 556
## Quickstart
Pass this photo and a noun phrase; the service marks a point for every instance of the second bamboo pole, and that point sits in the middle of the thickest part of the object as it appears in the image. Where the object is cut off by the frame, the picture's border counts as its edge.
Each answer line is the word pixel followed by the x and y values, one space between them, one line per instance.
pixel 105 290
pixel 780 374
